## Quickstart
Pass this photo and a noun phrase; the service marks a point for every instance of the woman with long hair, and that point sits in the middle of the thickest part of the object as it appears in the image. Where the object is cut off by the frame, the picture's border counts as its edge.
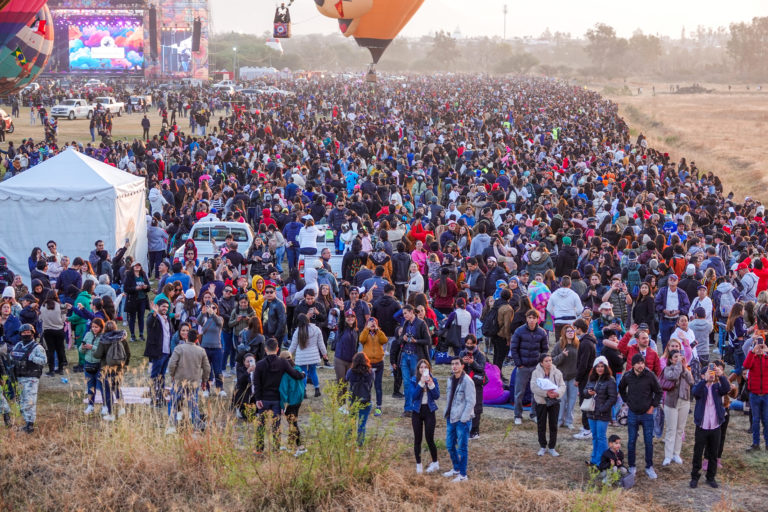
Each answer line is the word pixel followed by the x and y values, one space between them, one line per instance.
pixel 736 333
pixel 136 286
pixel 644 309
pixel 443 292
pixel 359 378
pixel 92 367
pixel 53 318
pixel 564 357
pixel 307 348
pixel 210 326
pixel 547 402
pixel 677 404
pixel 112 371
pixel 426 392
pixel 373 340
pixel 601 386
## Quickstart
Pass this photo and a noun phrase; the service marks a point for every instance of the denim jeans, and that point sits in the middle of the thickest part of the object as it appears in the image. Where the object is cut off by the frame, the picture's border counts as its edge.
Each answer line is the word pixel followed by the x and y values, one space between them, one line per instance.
pixel 378 374
pixel 279 255
pixel 567 402
pixel 634 422
pixel 666 327
pixel 310 371
pixel 362 421
pixel 157 374
pixel 759 405
pixel 408 364
pixel 293 257
pixel 456 439
pixel 93 383
pixel 599 439
pixel 215 358
pixel 230 352
pixel 738 360
pixel 522 378
pixel 619 402
pixel 184 396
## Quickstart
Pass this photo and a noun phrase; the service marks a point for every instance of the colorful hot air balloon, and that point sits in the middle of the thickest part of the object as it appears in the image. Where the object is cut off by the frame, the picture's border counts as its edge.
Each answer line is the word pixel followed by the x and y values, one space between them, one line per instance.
pixel 14 15
pixel 26 53
pixel 373 23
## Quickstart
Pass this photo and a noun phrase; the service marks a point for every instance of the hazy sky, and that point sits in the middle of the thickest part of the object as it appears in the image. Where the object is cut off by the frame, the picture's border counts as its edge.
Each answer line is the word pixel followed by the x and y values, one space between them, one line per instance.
pixel 665 17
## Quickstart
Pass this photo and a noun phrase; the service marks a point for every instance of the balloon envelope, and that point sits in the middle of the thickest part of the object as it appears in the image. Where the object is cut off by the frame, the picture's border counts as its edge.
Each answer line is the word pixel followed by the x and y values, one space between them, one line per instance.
pixel 35 45
pixel 14 15
pixel 376 28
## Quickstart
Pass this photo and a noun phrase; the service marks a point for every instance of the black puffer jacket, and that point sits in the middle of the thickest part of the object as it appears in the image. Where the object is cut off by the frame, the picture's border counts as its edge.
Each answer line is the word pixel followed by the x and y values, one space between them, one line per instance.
pixel 528 345
pixel 605 397
pixel 567 259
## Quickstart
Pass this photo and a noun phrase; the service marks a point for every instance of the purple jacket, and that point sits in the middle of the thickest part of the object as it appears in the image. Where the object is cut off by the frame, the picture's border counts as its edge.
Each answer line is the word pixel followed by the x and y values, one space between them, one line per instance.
pixel 684 304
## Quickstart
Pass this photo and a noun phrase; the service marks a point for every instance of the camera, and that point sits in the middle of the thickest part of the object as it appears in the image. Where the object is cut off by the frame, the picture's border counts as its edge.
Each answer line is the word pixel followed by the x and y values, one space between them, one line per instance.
pixel 711 367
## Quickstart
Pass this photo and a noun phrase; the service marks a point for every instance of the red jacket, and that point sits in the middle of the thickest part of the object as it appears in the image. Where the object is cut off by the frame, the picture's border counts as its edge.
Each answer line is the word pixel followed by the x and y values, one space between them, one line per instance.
pixel 757 380
pixel 447 301
pixel 652 361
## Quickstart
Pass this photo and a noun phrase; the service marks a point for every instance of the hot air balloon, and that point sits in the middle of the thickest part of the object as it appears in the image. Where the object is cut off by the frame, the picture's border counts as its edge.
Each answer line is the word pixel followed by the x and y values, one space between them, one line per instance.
pixel 373 23
pixel 25 54
pixel 14 15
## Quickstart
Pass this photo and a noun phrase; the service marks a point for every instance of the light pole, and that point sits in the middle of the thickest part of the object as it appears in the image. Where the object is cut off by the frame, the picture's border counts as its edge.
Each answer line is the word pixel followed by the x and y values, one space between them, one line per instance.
pixel 234 64
pixel 505 21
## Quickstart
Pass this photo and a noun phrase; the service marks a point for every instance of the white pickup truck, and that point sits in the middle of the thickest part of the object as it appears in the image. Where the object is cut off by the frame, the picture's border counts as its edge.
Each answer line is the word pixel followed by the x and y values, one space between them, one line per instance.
pixel 72 109
pixel 109 103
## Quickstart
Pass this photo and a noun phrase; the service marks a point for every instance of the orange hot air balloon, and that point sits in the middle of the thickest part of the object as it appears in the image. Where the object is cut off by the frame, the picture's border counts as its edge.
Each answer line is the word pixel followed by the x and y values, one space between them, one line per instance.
pixel 373 23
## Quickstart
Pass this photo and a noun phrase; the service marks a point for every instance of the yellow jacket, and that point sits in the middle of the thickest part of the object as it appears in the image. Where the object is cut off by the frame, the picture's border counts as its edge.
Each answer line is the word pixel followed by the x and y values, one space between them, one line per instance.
pixel 256 294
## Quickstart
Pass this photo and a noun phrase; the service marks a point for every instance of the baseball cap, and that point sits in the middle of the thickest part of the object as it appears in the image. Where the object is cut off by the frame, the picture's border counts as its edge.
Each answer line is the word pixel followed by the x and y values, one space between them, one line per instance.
pixel 606 305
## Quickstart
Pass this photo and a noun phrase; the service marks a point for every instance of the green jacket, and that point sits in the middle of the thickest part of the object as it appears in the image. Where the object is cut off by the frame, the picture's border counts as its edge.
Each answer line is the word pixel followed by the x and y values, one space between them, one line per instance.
pixel 90 339
pixel 291 390
pixel 83 298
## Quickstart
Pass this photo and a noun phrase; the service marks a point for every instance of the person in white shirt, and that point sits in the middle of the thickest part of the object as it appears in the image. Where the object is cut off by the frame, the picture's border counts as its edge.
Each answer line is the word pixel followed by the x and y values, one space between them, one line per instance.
pixel 702 301
pixel 564 305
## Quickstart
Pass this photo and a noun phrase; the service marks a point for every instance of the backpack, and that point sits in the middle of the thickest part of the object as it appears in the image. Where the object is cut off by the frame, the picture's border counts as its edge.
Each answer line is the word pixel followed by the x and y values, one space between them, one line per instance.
pixel 633 278
pixel 726 302
pixel 490 322
pixel 116 354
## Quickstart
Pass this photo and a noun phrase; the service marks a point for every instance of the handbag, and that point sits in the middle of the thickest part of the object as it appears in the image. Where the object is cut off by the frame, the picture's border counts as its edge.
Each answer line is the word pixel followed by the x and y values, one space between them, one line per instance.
pixel 552 401
pixel 588 405
pixel 666 384
pixel 92 368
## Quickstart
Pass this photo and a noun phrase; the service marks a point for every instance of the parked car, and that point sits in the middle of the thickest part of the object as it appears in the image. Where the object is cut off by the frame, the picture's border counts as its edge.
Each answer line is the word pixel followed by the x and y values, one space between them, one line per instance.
pixel 210 230
pixel 109 103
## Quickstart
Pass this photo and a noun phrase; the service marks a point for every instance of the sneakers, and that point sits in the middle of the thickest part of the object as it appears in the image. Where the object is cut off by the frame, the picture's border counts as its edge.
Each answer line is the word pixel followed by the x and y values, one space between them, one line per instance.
pixel 317 392
pixel 633 470
pixel 88 410
pixel 459 478
pixel 8 423
pixel 666 462
pixel 300 451
pixel 475 436
pixel 713 484
pixel 651 473
pixel 121 412
pixel 553 452
pixel 343 410
pixel 569 427
pixel 452 472
pixel 676 459
pixel 170 431
pixel 398 395
pixel 104 410
pixel 108 417
pixel 584 434
pixel 206 394
pixel 541 452
pixel 433 466
pixel 753 448
pixel 518 421
pixel 222 394
pixel 377 412
pixel 693 483
pixel 419 468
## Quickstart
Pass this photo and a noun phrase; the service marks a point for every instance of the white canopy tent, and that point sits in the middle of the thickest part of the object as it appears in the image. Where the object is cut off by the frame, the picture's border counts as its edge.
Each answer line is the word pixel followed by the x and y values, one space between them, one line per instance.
pixel 75 200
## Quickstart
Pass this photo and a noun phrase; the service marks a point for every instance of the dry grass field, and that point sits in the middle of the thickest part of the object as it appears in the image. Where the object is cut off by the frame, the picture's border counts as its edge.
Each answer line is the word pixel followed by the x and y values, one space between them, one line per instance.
pixel 723 132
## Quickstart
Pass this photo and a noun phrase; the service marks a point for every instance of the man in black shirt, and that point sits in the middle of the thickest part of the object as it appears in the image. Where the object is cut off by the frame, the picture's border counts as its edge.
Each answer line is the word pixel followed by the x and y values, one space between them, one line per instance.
pixel 266 391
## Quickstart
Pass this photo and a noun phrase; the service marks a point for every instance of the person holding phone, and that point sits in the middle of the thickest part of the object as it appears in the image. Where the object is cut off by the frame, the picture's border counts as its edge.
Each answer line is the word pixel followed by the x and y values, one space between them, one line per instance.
pixel 756 363
pixel 426 392
pixel 708 415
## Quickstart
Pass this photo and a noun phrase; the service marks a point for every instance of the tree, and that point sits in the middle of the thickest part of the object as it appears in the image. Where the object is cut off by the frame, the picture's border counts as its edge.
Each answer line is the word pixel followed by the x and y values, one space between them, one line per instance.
pixel 748 46
pixel 644 50
pixel 520 62
pixel 604 48
pixel 443 51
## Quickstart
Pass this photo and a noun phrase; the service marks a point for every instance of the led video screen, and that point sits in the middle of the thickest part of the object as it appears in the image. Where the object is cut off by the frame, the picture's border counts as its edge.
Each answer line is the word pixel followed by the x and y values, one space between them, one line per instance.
pixel 106 45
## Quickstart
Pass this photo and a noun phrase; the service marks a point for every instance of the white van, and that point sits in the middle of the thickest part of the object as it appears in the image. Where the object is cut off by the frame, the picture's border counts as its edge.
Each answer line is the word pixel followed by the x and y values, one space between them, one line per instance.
pixel 210 229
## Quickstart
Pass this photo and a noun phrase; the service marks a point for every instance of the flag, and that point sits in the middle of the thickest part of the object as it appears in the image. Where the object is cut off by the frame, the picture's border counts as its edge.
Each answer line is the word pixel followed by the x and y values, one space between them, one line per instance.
pixel 20 60
pixel 40 26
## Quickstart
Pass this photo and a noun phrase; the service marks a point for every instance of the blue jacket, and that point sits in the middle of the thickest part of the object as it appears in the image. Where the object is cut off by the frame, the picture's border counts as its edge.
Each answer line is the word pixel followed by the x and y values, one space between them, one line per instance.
pixel 291 231
pixel 66 279
pixel 684 303
pixel 527 346
pixel 11 331
pixel 719 388
pixel 346 344
pixel 182 278
pixel 432 394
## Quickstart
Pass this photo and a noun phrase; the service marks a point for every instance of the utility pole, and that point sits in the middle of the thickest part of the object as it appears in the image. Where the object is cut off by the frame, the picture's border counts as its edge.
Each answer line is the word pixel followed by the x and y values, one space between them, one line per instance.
pixel 505 21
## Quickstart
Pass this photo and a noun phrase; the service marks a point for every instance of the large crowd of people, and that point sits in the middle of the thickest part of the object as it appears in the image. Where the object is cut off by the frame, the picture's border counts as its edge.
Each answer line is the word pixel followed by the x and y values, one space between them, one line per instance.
pixel 511 229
